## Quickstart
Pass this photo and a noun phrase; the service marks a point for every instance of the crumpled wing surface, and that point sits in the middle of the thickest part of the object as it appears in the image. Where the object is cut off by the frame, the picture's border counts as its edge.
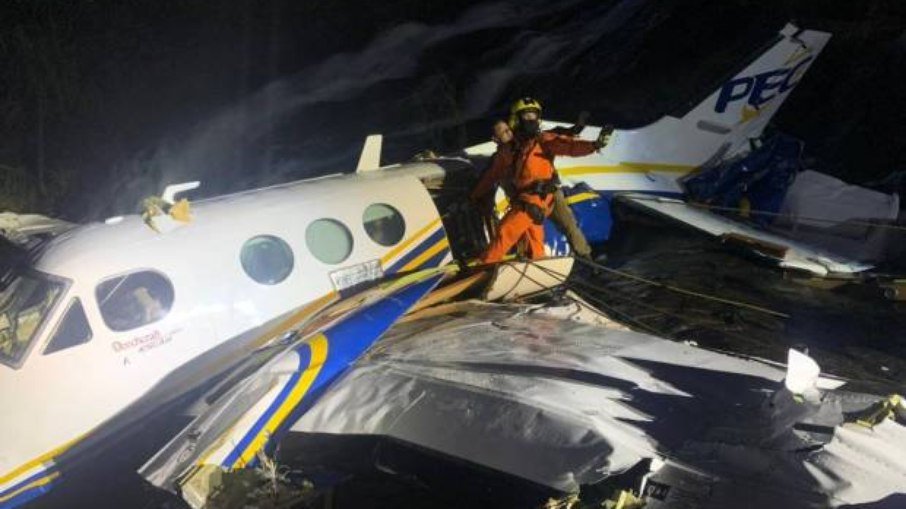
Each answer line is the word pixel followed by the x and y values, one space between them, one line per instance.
pixel 511 388
pixel 564 403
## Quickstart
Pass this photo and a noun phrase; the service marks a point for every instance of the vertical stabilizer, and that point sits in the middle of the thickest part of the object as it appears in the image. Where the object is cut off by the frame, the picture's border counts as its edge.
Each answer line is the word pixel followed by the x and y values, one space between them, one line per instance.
pixel 650 158
pixel 742 106
pixel 370 158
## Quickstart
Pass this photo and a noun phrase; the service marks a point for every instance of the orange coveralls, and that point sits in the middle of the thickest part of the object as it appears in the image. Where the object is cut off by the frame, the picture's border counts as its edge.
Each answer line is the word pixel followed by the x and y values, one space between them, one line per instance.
pixel 524 163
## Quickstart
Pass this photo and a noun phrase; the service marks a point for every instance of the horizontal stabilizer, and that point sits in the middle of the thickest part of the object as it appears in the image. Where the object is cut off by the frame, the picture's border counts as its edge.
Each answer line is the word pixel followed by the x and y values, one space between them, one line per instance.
pixel 786 252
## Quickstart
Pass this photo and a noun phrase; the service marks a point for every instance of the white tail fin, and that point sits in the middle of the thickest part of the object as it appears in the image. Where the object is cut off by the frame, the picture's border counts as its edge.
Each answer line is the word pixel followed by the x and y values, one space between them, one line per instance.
pixel 744 104
pixel 736 112
pixel 719 126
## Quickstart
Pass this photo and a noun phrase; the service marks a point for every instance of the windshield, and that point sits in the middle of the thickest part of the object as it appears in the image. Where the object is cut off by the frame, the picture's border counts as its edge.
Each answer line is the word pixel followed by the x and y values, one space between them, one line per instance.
pixel 24 305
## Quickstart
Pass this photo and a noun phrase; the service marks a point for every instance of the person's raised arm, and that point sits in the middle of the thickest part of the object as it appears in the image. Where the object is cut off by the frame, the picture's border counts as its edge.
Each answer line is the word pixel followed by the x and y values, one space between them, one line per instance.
pixel 560 145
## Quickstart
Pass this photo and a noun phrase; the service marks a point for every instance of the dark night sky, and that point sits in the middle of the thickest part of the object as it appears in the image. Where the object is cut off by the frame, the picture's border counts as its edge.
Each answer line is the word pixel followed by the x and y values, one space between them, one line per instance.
pixel 103 102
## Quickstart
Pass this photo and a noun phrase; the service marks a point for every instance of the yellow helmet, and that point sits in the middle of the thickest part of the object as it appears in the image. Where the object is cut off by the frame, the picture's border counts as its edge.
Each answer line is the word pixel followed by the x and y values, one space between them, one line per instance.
pixel 523 104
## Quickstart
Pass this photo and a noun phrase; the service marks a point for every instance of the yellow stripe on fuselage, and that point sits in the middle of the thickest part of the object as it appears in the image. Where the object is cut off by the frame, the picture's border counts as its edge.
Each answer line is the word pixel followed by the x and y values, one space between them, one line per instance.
pixel 36 484
pixel 44 458
pixel 625 168
pixel 279 329
pixel 422 258
pixel 408 242
pixel 319 346
pixel 502 205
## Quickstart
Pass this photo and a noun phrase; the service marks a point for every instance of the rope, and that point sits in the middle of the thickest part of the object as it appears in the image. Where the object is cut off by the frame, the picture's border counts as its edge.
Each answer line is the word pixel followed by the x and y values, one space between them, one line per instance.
pixel 565 278
pixel 626 316
pixel 857 222
pixel 684 291
pixel 866 377
pixel 636 320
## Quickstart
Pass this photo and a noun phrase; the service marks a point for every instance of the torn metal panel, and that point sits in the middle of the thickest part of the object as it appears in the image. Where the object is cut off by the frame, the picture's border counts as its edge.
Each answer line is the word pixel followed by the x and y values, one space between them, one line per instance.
pixel 842 218
pixel 19 227
pixel 787 253
pixel 564 403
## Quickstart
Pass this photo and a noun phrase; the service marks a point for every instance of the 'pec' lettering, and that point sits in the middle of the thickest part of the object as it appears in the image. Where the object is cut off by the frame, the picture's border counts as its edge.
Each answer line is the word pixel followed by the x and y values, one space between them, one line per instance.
pixel 792 79
pixel 729 94
pixel 759 88
pixel 765 82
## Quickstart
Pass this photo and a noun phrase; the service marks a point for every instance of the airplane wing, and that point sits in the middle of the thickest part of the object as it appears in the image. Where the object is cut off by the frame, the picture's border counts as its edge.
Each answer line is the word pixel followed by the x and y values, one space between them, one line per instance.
pixel 251 416
pixel 787 253
pixel 552 394
pixel 538 394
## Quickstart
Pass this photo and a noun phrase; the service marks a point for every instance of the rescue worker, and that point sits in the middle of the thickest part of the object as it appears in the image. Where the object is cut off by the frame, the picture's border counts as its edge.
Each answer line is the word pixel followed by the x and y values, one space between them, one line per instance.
pixel 562 213
pixel 527 167
pixel 502 135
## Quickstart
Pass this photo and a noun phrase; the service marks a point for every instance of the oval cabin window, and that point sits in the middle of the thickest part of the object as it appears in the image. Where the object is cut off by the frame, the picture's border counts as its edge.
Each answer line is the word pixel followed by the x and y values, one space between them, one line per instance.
pixel 267 259
pixel 132 300
pixel 384 224
pixel 329 240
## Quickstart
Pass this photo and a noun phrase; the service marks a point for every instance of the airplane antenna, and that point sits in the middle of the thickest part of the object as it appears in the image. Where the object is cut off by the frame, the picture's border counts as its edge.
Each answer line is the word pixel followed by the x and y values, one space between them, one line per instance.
pixel 170 192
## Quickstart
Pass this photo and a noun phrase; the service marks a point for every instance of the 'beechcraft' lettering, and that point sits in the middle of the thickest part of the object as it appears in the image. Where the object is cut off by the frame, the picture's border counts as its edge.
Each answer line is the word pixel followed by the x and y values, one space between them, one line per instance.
pixel 759 88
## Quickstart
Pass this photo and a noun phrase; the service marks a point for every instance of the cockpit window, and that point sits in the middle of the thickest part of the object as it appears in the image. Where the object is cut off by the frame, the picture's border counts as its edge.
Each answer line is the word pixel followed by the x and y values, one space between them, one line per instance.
pixel 136 299
pixel 24 305
pixel 72 331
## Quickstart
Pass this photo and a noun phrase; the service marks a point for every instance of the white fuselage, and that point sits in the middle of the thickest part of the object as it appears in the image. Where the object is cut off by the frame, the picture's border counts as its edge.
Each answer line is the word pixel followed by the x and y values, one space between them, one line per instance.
pixel 54 399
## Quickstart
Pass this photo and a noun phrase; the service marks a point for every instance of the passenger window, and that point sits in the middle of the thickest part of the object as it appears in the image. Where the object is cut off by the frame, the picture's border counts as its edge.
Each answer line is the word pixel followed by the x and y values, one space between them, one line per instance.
pixel 130 301
pixel 384 224
pixel 266 259
pixel 72 331
pixel 329 240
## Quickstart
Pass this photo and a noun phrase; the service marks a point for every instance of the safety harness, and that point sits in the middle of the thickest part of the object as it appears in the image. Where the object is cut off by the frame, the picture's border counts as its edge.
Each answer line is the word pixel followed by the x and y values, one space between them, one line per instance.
pixel 540 188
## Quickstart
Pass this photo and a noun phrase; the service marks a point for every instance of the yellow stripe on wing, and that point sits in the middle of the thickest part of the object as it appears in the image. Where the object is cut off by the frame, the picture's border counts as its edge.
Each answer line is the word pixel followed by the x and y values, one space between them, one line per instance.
pixel 36 484
pixel 319 347
pixel 430 252
pixel 408 242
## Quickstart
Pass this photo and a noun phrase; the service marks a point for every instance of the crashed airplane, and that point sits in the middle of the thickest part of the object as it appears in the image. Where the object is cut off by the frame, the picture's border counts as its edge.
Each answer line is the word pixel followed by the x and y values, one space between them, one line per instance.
pixel 332 305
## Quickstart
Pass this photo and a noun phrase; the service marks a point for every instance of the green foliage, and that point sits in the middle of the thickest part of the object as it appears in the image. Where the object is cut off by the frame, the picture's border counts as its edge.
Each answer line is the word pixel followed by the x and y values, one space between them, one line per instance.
pixel 18 192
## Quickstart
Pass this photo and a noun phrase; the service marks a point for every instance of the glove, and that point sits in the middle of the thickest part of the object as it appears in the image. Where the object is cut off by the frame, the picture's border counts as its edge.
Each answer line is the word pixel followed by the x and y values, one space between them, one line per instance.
pixel 577 128
pixel 603 137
